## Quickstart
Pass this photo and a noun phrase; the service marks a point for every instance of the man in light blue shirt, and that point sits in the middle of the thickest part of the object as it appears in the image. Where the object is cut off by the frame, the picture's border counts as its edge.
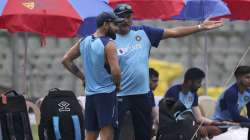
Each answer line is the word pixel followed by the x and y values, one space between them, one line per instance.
pixel 186 93
pixel 101 76
pixel 133 48
pixel 235 98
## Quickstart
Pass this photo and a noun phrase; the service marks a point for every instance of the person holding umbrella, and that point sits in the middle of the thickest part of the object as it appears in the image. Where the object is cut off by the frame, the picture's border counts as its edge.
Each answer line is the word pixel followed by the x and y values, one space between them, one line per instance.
pixel 101 76
pixel 133 48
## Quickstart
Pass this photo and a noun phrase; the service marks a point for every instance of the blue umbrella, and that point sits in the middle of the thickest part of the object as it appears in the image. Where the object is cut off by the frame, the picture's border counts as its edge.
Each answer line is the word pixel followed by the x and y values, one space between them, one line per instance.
pixel 199 10
pixel 88 10
pixel 2 6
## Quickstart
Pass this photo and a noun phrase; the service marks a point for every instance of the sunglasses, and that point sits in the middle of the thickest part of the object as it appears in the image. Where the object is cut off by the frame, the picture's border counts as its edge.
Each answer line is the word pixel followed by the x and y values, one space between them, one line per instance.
pixel 125 7
pixel 125 11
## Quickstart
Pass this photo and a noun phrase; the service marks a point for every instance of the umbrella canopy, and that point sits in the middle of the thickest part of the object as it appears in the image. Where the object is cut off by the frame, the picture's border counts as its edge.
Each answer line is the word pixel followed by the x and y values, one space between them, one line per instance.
pixel 48 17
pixel 199 10
pixel 143 9
pixel 88 10
pixel 239 9
pixel 58 18
pixel 152 9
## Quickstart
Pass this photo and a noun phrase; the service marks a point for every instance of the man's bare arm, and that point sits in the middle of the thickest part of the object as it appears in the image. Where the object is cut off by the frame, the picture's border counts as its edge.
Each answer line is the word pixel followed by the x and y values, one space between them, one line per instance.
pixel 112 60
pixel 187 30
pixel 68 61
pixel 199 117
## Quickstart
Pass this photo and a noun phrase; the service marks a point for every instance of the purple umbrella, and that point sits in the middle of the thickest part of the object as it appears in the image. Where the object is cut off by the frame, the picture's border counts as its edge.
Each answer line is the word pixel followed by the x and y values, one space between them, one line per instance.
pixel 200 10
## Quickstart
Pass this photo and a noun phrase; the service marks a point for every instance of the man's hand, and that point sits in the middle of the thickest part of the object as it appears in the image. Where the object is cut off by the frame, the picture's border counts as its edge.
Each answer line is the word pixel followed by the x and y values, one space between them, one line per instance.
pixel 155 125
pixel 203 132
pixel 117 89
pixel 216 123
pixel 155 117
pixel 209 24
pixel 183 31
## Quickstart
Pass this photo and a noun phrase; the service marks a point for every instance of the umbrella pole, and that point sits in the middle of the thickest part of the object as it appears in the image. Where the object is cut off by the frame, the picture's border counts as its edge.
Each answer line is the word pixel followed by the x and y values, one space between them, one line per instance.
pixel 205 52
pixel 15 77
pixel 25 64
pixel 206 62
pixel 190 52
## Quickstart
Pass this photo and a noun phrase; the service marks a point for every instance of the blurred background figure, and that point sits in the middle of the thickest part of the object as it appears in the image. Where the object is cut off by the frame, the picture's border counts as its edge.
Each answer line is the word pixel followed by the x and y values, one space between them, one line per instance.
pixel 153 80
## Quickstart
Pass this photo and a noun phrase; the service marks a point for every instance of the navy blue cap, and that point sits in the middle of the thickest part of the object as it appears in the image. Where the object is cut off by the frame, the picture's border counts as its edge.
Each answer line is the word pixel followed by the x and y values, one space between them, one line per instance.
pixel 108 17
pixel 123 9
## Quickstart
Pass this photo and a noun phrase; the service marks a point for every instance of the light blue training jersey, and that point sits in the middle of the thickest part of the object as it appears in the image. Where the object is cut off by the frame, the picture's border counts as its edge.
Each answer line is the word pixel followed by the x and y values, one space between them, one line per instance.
pixel 133 50
pixel 97 77
pixel 189 99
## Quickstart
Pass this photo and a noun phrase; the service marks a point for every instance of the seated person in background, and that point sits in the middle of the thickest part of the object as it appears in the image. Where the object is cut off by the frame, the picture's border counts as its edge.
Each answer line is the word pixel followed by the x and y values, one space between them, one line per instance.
pixel 186 93
pixel 153 78
pixel 235 98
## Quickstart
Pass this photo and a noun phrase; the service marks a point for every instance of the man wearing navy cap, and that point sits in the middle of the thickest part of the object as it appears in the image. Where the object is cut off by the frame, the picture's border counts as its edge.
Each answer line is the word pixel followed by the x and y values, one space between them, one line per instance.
pixel 133 48
pixel 101 76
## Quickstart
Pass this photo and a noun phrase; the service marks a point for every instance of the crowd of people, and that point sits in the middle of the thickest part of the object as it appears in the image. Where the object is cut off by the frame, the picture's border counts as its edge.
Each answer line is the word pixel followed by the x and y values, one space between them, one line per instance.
pixel 117 78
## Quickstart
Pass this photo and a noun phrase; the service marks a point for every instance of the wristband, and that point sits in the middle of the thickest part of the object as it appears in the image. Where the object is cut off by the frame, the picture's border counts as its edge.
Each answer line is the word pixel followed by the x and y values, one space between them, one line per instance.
pixel 199 27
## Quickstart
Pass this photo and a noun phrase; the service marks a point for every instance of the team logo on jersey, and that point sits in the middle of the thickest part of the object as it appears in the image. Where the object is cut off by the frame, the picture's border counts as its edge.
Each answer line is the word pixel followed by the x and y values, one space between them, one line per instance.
pixel 64 106
pixel 190 98
pixel 121 51
pixel 138 46
pixel 246 98
pixel 29 4
pixel 138 38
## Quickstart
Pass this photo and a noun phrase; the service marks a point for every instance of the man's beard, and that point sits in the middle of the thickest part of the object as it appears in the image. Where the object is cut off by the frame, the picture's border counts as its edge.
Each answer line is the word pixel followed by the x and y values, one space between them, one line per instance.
pixel 111 34
pixel 194 89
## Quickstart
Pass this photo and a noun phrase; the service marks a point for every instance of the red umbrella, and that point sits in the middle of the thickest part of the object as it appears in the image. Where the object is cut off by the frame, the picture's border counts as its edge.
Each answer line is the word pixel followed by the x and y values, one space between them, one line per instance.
pixel 58 18
pixel 45 17
pixel 239 9
pixel 152 9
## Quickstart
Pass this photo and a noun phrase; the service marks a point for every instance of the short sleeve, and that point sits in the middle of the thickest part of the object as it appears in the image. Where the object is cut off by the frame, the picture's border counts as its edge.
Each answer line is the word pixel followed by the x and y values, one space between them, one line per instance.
pixel 195 103
pixel 173 92
pixel 154 34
